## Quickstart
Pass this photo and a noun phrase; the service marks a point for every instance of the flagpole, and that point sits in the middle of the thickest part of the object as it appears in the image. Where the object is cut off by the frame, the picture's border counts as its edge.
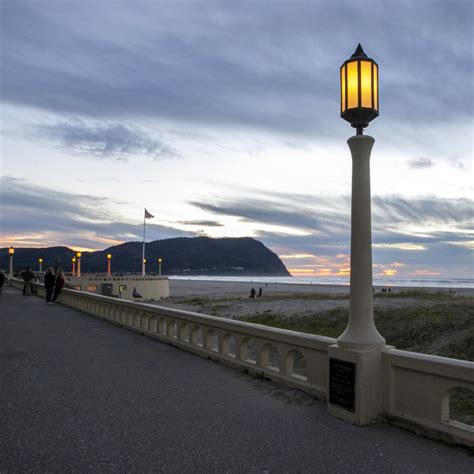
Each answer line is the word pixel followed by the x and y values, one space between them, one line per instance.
pixel 143 255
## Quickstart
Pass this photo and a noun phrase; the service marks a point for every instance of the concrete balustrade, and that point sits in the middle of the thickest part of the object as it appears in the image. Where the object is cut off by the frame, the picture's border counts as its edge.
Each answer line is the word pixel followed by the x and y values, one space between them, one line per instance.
pixel 416 387
pixel 417 390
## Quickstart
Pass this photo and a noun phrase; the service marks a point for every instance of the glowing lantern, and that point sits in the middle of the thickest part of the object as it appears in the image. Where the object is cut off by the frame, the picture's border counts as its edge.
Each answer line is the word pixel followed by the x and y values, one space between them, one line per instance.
pixel 359 90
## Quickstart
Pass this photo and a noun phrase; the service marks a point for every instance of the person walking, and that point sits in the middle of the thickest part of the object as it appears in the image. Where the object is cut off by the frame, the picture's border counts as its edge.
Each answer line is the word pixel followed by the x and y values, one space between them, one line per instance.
pixel 2 280
pixel 260 291
pixel 28 277
pixel 58 284
pixel 49 280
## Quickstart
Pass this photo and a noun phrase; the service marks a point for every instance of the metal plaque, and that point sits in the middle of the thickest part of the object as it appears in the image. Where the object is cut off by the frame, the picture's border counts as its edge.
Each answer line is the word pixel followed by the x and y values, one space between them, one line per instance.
pixel 342 383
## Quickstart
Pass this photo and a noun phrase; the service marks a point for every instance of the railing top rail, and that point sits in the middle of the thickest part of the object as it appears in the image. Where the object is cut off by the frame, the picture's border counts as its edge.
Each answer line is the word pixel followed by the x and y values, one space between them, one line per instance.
pixel 431 364
pixel 310 341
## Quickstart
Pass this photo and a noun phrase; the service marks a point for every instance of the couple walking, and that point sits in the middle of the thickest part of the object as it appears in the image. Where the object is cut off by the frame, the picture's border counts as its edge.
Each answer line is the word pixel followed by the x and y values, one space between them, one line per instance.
pixel 53 284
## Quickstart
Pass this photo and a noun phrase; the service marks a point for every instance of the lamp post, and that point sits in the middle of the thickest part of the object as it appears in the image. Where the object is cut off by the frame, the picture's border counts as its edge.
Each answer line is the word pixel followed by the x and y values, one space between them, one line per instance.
pixel 73 260
pixel 109 258
pixel 40 264
pixel 355 362
pixel 359 106
pixel 11 252
pixel 160 260
pixel 144 267
pixel 78 255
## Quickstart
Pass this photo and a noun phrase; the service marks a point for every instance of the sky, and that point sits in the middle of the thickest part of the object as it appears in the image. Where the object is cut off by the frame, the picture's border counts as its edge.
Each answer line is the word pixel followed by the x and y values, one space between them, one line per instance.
pixel 222 119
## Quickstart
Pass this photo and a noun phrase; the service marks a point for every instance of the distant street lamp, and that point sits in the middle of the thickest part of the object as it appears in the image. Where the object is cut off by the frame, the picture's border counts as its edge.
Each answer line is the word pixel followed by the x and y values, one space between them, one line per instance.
pixel 40 263
pixel 78 255
pixel 160 260
pixel 109 258
pixel 144 267
pixel 360 105
pixel 11 252
pixel 73 266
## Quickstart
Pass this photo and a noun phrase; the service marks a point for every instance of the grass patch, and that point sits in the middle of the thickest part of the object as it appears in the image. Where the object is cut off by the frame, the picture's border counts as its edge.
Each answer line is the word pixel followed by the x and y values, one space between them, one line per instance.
pixel 444 329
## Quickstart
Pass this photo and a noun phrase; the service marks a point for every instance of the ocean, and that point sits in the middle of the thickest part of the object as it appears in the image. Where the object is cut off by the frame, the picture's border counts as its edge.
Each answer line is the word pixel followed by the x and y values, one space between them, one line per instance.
pixel 307 280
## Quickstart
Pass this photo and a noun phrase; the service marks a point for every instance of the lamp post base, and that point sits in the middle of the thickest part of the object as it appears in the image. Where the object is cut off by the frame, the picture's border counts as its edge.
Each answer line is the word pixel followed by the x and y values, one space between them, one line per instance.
pixel 354 385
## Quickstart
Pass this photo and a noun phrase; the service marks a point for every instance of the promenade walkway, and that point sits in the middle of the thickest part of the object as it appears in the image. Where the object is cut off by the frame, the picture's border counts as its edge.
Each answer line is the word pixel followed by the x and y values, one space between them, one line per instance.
pixel 78 394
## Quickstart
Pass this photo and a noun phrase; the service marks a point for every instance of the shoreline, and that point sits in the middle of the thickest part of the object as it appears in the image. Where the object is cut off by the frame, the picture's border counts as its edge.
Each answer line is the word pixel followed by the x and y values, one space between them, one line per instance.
pixel 198 284
pixel 190 287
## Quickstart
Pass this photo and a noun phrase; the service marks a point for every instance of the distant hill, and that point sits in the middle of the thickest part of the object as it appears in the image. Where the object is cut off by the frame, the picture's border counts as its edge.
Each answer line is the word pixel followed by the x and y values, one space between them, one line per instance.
pixel 181 256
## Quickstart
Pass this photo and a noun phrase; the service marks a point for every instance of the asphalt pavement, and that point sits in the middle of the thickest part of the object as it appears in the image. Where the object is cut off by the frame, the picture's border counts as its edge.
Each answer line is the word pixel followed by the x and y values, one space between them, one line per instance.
pixel 78 394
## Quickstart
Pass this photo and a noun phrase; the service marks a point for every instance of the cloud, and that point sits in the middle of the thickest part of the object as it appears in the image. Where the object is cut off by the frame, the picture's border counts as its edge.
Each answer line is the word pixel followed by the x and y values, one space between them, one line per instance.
pixel 239 64
pixel 455 162
pixel 105 139
pixel 35 215
pixel 429 231
pixel 421 162
pixel 204 223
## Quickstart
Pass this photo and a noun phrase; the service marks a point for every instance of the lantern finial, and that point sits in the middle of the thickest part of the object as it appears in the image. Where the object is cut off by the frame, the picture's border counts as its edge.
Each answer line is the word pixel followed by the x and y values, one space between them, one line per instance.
pixel 359 52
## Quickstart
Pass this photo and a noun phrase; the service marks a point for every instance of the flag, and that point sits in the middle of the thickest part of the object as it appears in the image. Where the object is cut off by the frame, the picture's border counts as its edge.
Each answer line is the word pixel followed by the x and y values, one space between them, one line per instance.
pixel 148 215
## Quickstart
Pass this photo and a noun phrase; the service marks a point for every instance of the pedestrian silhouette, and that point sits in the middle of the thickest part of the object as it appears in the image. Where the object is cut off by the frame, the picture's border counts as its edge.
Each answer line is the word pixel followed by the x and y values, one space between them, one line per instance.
pixel 260 291
pixel 252 293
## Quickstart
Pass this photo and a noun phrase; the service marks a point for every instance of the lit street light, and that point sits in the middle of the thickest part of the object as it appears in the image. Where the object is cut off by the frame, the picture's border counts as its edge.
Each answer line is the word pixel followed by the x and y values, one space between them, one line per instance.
pixel 144 267
pixel 73 260
pixel 78 255
pixel 11 252
pixel 109 258
pixel 359 106
pixel 355 362
pixel 160 260
pixel 40 263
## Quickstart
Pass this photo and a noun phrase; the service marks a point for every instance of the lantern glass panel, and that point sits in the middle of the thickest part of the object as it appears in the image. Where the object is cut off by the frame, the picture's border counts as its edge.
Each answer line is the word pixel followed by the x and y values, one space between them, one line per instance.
pixel 343 88
pixel 376 87
pixel 352 85
pixel 366 83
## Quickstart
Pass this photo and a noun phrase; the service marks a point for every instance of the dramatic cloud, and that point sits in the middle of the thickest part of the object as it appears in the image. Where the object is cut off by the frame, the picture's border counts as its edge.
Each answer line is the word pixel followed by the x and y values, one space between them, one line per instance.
pixel 422 233
pixel 105 140
pixel 421 162
pixel 247 63
pixel 33 215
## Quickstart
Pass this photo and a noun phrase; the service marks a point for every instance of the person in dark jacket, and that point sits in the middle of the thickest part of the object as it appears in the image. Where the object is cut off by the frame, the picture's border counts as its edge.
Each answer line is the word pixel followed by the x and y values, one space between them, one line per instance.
pixel 49 279
pixel 28 277
pixel 2 280
pixel 58 284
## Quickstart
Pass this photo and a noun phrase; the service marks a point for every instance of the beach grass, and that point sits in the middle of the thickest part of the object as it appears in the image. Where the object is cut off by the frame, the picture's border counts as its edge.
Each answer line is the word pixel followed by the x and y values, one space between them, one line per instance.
pixel 445 329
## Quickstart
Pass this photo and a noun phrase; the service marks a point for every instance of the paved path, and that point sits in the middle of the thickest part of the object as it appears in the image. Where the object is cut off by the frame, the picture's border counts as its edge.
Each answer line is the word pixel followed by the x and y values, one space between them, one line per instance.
pixel 78 394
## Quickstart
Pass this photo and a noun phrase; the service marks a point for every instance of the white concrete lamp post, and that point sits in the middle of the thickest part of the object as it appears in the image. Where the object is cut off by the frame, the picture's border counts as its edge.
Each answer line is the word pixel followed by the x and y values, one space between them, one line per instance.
pixel 40 265
pixel 73 260
pixel 78 272
pixel 144 267
pixel 109 259
pixel 160 260
pixel 11 252
pixel 355 362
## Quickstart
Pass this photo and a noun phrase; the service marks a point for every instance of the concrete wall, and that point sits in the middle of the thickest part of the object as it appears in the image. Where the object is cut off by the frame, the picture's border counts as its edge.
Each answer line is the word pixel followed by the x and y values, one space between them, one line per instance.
pixel 149 287
pixel 415 387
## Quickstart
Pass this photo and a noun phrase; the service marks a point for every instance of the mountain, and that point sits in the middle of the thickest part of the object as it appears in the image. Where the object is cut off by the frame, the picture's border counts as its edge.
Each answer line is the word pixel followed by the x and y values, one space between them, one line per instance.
pixel 181 256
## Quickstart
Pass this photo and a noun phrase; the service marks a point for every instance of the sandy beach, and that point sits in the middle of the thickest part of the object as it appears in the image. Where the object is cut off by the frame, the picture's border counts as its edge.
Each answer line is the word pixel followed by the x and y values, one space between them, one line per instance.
pixel 436 321
pixel 231 299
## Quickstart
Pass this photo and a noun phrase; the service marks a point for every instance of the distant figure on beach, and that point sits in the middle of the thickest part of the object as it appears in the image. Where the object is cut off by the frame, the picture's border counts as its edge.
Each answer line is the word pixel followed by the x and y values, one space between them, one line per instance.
pixel 49 279
pixel 58 284
pixel 252 293
pixel 260 291
pixel 28 277
pixel 2 280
